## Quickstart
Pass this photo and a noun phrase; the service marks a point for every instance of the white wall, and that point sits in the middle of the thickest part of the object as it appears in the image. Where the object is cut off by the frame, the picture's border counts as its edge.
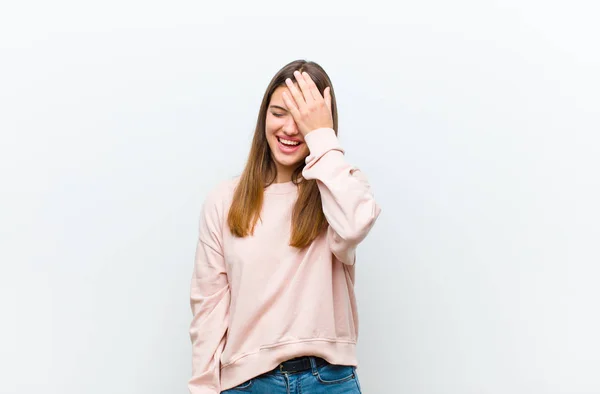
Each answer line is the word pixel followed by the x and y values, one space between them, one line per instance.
pixel 477 122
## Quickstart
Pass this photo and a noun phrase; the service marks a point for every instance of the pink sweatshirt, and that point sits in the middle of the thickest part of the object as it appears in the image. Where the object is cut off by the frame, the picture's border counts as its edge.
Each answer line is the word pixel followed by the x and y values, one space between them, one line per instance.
pixel 257 301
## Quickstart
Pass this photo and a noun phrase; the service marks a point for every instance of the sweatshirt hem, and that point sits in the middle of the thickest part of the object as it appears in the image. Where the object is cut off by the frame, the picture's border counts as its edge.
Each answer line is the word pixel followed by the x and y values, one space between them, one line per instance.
pixel 250 365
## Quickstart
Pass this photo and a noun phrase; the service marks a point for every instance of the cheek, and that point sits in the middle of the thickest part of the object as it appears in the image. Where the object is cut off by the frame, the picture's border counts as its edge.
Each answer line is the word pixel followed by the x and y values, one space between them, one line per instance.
pixel 273 123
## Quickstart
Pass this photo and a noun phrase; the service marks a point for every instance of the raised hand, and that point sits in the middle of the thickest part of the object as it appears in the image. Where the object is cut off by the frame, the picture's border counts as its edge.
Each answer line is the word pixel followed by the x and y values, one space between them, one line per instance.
pixel 309 109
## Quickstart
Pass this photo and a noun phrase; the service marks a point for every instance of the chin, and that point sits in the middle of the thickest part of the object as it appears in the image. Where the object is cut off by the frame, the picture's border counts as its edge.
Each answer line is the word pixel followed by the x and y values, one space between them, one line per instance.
pixel 289 162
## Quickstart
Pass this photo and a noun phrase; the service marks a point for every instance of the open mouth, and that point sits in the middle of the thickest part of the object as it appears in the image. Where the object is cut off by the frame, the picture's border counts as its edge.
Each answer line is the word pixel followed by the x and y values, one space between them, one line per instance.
pixel 288 145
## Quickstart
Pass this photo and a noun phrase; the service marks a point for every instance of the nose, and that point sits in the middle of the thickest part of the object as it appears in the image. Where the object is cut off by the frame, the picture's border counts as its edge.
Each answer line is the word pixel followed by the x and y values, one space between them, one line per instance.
pixel 290 128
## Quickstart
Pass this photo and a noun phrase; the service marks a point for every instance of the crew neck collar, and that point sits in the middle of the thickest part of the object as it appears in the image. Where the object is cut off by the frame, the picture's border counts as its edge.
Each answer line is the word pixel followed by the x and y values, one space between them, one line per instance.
pixel 281 188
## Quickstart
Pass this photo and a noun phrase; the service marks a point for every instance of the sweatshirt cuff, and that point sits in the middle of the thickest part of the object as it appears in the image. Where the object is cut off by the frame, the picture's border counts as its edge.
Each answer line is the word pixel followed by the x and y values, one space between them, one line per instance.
pixel 321 141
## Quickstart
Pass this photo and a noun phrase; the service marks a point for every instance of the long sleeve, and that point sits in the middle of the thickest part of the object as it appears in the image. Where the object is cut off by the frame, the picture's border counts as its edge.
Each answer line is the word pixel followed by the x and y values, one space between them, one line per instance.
pixel 209 300
pixel 348 203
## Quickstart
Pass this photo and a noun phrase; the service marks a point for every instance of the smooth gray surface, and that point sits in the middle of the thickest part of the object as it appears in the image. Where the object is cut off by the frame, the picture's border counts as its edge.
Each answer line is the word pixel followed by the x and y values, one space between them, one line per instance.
pixel 477 123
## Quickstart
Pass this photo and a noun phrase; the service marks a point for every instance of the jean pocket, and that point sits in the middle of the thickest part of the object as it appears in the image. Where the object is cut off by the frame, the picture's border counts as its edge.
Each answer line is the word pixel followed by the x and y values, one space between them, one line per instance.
pixel 335 374
pixel 241 387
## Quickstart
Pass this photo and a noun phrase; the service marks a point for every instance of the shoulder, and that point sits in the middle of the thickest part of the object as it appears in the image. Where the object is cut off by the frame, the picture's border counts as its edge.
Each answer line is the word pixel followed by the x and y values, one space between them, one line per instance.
pixel 220 196
pixel 214 211
pixel 223 190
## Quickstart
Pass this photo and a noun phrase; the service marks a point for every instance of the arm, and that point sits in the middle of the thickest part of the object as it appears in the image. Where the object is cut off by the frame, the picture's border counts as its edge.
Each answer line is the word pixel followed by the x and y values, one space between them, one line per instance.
pixel 348 203
pixel 209 300
pixel 347 200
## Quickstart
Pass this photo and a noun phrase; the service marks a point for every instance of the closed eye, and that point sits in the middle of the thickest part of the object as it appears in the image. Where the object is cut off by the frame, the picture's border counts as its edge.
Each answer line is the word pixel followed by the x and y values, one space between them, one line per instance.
pixel 277 115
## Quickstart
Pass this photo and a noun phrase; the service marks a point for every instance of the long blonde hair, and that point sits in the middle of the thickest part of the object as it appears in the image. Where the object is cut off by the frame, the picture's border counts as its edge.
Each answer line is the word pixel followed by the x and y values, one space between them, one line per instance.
pixel 308 220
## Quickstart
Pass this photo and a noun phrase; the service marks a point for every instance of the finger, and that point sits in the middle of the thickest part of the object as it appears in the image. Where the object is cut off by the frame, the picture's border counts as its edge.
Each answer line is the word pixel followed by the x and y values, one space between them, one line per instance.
pixel 304 86
pixel 314 90
pixel 291 105
pixel 327 93
pixel 296 94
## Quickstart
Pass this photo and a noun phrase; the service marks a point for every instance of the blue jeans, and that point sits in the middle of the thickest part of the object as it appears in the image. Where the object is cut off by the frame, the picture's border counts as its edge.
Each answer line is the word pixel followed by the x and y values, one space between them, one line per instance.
pixel 325 379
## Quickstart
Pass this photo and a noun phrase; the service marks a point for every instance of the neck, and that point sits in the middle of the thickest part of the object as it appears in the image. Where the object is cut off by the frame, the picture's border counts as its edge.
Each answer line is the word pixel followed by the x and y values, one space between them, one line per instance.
pixel 284 175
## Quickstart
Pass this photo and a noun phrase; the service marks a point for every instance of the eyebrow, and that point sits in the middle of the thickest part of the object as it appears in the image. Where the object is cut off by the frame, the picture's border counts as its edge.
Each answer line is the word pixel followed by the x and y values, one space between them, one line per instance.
pixel 278 107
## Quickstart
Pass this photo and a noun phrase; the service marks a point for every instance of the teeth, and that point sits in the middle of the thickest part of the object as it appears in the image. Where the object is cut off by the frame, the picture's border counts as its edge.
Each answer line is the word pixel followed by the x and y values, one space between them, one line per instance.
pixel 286 142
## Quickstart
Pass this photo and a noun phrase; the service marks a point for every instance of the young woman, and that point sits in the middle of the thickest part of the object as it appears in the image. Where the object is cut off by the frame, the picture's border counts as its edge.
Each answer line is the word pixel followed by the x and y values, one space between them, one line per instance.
pixel 272 292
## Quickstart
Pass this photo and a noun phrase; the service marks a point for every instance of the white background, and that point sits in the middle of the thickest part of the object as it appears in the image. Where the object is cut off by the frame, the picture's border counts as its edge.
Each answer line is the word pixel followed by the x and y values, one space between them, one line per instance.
pixel 476 121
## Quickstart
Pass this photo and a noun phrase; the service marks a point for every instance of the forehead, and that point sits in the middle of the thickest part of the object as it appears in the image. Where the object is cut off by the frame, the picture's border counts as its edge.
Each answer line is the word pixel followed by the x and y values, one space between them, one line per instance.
pixel 277 96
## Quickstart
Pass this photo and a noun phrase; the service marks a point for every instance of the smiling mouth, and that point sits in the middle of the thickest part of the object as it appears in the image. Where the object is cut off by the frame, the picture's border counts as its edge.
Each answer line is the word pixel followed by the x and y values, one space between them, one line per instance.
pixel 289 143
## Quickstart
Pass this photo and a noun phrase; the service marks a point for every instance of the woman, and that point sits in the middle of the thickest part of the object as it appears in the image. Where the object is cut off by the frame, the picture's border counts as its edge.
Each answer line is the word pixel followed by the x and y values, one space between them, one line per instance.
pixel 272 292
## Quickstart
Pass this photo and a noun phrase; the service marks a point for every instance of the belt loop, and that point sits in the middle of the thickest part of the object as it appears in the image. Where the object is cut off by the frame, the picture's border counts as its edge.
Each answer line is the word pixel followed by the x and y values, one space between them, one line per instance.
pixel 313 365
